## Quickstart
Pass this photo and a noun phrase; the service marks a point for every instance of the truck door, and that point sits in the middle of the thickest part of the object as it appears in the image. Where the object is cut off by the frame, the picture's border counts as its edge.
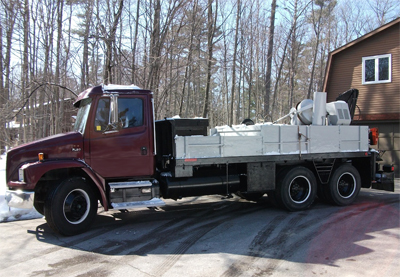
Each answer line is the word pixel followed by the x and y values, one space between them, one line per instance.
pixel 120 140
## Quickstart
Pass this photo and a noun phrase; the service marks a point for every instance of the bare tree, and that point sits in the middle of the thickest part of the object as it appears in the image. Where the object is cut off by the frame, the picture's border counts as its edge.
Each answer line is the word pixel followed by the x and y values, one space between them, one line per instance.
pixel 383 10
pixel 221 59
pixel 135 43
pixel 109 40
pixel 25 69
pixel 58 112
pixel 269 60
pixel 235 46
pixel 194 26
pixel 2 94
pixel 318 18
pixel 211 28
pixel 88 8
pixel 294 52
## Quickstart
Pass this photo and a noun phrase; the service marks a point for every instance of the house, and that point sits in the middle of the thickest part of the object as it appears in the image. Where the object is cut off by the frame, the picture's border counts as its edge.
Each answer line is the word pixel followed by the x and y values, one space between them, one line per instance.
pixel 371 64
pixel 41 121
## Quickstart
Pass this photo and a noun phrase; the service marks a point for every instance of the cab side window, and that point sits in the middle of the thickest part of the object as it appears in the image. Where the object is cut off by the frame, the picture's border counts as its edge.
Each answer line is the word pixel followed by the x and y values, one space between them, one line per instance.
pixel 102 114
pixel 130 112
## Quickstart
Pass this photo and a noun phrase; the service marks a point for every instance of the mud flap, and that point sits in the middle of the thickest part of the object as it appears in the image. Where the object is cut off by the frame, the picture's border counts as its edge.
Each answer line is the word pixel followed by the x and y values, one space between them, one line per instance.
pixel 384 181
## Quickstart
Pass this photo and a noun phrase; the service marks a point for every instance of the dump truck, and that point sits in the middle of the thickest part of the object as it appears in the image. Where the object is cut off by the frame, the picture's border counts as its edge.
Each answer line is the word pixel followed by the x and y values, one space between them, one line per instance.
pixel 119 156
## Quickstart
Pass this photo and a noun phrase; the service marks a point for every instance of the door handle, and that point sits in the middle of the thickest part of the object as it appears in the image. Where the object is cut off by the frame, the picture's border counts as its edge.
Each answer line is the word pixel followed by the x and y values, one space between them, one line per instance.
pixel 144 150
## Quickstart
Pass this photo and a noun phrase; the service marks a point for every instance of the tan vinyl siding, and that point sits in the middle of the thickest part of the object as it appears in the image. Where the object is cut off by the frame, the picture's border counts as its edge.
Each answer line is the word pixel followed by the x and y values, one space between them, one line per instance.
pixel 345 72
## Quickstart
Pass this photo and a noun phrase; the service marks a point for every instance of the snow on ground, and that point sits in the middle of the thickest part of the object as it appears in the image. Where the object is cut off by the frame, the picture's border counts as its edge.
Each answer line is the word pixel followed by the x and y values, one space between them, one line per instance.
pixel 7 213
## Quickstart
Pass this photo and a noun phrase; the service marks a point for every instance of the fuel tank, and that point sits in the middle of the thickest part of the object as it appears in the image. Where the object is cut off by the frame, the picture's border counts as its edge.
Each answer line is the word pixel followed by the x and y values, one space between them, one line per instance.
pixel 177 188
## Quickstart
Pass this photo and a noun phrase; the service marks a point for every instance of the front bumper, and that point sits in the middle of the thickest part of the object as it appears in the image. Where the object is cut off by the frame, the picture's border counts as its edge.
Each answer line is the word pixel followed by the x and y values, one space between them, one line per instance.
pixel 19 199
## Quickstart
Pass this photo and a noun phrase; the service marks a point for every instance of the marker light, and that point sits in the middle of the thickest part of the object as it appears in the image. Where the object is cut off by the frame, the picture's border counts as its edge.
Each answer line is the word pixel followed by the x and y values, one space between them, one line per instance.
pixel 373 136
pixel 41 157
pixel 388 168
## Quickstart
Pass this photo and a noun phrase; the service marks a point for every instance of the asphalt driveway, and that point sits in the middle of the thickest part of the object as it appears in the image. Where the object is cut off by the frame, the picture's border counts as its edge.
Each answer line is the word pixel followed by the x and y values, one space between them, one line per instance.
pixel 210 236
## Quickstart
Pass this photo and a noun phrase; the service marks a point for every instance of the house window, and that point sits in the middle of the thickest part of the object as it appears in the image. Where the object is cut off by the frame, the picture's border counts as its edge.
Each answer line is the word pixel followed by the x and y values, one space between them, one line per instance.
pixel 377 69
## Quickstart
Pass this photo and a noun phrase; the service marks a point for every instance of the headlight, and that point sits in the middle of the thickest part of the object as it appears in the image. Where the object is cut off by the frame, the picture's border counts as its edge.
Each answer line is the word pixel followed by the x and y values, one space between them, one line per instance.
pixel 21 175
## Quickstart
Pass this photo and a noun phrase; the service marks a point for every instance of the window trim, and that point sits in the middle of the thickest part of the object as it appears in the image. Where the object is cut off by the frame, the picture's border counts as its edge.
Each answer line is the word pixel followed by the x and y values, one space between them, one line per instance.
pixel 376 59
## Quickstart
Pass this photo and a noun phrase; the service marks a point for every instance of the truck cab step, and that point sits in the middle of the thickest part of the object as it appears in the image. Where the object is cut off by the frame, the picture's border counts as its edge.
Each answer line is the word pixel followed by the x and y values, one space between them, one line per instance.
pixel 155 202
pixel 128 185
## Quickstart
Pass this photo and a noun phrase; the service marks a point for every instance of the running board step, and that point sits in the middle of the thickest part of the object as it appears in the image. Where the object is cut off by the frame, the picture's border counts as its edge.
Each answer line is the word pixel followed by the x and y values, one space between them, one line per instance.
pixel 155 202
pixel 128 185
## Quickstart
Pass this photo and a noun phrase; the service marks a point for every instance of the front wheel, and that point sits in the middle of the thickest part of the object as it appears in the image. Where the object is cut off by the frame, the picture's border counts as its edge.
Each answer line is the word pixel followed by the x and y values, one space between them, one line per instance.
pixel 296 188
pixel 71 207
pixel 344 185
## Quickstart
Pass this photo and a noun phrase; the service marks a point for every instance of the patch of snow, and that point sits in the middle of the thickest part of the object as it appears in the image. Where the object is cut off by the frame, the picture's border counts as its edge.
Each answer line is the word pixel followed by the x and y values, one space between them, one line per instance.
pixel 7 213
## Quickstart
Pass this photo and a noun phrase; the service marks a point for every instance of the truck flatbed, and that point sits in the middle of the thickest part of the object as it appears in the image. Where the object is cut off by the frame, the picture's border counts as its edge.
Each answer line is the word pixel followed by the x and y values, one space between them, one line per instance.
pixel 272 140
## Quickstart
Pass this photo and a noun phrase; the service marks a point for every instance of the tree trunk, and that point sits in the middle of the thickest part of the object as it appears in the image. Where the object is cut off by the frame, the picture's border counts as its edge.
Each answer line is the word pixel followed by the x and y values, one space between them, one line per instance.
pixel 293 57
pixel 278 77
pixel 231 122
pixel 317 31
pixel 25 71
pixel 3 133
pixel 154 44
pixel 85 56
pixel 2 92
pixel 133 79
pixel 58 117
pixel 269 61
pixel 210 45
pixel 189 57
pixel 109 39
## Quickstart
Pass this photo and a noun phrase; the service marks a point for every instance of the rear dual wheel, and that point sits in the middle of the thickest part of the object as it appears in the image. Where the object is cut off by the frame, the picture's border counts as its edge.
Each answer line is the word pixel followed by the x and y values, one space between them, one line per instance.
pixel 344 185
pixel 296 188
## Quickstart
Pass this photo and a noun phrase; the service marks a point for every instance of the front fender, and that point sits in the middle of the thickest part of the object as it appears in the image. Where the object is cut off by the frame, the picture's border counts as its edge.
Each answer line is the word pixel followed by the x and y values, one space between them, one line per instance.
pixel 33 172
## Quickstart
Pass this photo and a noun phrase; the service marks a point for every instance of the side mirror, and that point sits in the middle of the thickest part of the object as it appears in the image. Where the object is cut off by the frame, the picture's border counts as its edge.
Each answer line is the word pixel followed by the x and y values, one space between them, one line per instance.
pixel 114 125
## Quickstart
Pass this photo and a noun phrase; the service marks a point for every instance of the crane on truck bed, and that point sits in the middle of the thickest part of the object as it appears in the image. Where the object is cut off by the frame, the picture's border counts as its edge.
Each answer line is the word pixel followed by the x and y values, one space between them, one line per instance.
pixel 119 155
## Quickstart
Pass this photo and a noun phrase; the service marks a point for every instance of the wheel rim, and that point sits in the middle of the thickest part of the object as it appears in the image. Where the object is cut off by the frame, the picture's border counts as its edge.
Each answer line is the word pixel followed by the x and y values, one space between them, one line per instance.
pixel 76 206
pixel 299 189
pixel 346 185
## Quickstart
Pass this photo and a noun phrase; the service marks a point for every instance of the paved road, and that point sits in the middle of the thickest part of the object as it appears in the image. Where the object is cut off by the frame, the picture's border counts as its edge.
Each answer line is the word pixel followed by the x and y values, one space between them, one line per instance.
pixel 208 236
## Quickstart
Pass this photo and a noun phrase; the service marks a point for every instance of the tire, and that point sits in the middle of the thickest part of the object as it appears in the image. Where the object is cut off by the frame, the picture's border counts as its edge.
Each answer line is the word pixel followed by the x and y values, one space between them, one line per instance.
pixel 71 207
pixel 344 185
pixel 296 189
pixel 39 207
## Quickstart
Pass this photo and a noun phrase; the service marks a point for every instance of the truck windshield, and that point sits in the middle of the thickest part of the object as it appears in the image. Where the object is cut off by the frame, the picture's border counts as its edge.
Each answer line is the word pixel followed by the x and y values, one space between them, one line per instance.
pixel 82 115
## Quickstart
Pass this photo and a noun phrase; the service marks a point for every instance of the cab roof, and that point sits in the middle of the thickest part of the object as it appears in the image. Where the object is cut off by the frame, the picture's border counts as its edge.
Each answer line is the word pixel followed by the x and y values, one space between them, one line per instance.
pixel 109 89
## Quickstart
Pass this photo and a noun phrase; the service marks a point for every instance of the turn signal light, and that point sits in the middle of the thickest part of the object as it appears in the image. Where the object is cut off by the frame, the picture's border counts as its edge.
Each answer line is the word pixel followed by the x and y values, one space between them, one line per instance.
pixel 41 157
pixel 373 136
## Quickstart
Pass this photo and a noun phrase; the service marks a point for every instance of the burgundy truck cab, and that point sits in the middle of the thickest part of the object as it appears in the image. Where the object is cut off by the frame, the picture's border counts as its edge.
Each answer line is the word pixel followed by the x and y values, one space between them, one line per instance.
pixel 119 133
pixel 110 156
